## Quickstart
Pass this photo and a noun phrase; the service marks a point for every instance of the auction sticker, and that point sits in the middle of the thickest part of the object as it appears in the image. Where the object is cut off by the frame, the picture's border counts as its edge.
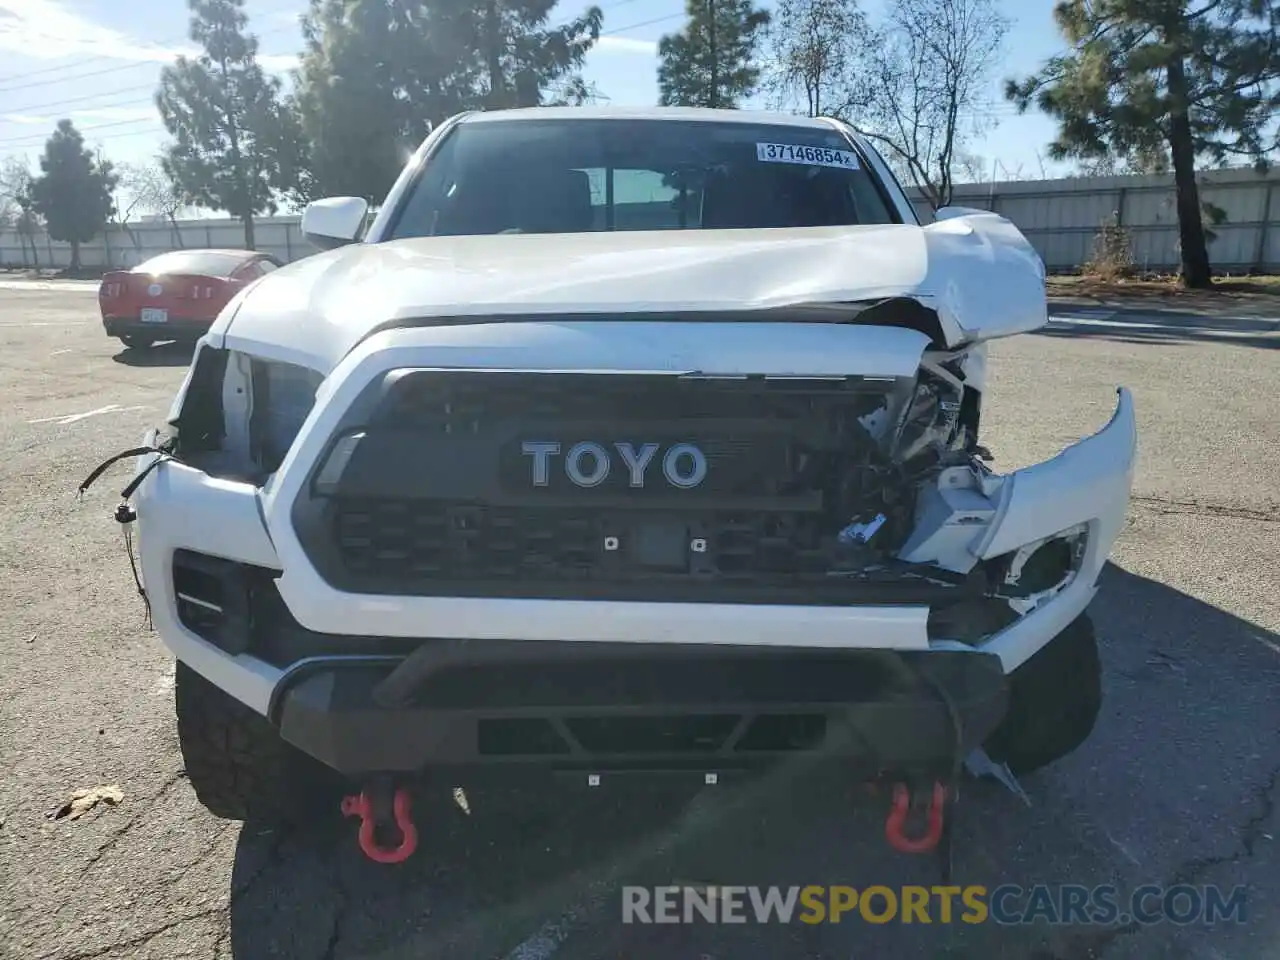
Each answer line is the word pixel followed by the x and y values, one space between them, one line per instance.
pixel 811 156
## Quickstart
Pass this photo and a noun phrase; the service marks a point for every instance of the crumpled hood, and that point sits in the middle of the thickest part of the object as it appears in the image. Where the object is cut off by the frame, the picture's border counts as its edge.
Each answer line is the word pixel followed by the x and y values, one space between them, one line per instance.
pixel 977 272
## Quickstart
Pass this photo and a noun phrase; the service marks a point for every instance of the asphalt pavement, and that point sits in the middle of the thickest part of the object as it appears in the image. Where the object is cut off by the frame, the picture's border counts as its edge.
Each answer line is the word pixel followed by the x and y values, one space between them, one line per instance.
pixel 1178 785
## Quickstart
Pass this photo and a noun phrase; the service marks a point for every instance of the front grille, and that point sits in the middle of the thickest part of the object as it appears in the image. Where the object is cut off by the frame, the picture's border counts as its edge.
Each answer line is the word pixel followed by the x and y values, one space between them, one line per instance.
pixel 439 495
pixel 394 541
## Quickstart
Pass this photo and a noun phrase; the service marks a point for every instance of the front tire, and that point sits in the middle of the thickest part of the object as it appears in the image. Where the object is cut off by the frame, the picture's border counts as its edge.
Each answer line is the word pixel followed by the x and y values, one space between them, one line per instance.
pixel 1054 700
pixel 238 766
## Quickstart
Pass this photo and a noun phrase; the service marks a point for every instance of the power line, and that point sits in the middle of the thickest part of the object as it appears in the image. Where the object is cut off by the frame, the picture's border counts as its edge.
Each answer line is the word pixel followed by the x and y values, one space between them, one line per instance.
pixel 82 76
pixel 32 139
pixel 159 47
pixel 27 107
pixel 140 63
pixel 642 23
pixel 27 140
pixel 38 137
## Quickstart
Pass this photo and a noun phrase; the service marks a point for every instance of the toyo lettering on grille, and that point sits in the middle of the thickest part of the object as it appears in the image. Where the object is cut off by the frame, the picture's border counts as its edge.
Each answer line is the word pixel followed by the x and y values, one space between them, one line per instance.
pixel 587 463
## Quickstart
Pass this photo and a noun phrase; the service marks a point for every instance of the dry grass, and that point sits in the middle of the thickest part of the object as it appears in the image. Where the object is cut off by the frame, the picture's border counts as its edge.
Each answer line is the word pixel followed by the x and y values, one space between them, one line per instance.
pixel 1112 259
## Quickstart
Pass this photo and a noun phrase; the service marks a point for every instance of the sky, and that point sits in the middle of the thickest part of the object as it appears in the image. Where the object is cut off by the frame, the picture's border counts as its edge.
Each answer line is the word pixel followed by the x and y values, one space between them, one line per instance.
pixel 98 62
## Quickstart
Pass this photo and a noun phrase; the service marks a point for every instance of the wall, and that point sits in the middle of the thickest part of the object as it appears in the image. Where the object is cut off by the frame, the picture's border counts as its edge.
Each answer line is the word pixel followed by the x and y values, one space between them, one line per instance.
pixel 1059 216
pixel 121 248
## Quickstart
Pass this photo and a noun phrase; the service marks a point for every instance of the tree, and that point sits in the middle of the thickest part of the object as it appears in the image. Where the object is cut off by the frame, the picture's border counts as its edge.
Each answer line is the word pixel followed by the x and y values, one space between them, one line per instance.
pixel 150 190
pixel 928 70
pixel 17 206
pixel 225 116
pixel 14 177
pixel 74 191
pixel 522 55
pixel 712 61
pixel 817 55
pixel 364 100
pixel 1150 79
pixel 376 73
pixel 28 225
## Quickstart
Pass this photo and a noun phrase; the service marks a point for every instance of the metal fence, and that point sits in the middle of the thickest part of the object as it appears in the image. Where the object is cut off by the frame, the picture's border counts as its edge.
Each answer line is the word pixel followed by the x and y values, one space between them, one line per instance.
pixel 1060 217
pixel 123 246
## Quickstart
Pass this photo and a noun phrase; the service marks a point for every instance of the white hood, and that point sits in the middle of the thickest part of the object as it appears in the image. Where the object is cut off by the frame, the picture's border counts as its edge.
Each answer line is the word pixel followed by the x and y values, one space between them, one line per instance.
pixel 977 272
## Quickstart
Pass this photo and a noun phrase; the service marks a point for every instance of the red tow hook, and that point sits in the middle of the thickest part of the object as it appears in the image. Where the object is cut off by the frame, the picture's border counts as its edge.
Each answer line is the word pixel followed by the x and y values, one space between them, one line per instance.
pixel 898 815
pixel 362 806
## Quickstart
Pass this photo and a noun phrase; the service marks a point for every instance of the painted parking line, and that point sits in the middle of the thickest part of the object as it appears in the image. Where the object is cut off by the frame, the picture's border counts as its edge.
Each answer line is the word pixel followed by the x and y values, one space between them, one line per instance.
pixel 1079 316
pixel 44 323
pixel 1244 327
pixel 75 417
pixel 76 286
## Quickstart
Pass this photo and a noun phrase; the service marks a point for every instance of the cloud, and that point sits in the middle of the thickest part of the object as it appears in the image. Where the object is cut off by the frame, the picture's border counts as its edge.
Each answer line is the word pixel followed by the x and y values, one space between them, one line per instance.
pixel 626 45
pixel 95 114
pixel 46 30
pixel 278 62
pixel 116 113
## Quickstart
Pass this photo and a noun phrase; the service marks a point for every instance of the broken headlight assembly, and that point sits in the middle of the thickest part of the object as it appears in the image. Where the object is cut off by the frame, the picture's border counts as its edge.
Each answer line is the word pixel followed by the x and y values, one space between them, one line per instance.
pixel 239 414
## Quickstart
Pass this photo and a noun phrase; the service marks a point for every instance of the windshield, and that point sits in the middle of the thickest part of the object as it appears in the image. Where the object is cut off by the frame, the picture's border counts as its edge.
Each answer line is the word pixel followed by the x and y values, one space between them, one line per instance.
pixel 578 176
pixel 205 263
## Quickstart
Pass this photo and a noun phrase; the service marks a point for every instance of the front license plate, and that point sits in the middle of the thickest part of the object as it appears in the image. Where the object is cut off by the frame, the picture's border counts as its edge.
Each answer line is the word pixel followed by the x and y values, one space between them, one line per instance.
pixel 154 315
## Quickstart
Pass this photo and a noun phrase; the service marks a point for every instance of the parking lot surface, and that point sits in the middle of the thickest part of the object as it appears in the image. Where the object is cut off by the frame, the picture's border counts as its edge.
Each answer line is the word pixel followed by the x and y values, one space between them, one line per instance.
pixel 1177 785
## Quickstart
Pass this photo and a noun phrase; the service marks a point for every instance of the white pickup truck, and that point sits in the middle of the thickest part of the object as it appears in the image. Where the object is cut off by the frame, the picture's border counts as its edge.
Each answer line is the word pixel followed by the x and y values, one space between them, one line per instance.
pixel 622 440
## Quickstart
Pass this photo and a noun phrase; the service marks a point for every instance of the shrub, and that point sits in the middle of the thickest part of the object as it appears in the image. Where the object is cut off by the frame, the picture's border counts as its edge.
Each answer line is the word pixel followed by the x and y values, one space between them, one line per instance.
pixel 1112 252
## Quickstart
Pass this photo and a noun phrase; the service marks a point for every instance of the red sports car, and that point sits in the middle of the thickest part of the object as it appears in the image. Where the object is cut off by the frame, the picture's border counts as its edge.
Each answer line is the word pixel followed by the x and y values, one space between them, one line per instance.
pixel 177 295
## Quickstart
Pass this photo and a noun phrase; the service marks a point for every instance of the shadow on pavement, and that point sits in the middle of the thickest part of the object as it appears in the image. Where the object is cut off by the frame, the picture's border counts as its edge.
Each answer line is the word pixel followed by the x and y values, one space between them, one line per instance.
pixel 1172 787
pixel 172 353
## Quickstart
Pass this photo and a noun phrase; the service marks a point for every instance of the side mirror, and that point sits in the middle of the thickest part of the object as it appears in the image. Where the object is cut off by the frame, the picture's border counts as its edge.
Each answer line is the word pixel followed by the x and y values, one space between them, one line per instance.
pixel 334 221
pixel 952 213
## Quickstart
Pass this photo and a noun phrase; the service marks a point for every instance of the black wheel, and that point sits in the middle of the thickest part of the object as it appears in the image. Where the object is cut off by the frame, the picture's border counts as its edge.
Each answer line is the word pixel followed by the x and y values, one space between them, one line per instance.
pixel 236 762
pixel 1054 699
pixel 137 341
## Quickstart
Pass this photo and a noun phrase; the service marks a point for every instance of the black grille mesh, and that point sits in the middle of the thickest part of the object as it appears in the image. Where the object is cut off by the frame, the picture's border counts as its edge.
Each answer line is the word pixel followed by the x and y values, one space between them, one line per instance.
pixel 424 509
pixel 452 403
pixel 397 540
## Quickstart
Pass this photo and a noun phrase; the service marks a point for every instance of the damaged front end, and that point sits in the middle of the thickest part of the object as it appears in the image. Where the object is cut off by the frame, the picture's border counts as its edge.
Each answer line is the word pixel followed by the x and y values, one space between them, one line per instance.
pixel 725 487
pixel 682 550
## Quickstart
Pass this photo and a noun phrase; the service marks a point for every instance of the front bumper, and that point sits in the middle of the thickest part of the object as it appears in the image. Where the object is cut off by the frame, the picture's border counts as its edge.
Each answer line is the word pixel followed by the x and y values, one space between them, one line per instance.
pixel 520 708
pixel 181 508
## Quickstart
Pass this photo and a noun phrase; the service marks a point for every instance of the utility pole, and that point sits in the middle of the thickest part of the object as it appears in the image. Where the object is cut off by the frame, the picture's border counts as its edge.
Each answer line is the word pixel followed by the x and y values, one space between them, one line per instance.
pixel 715 79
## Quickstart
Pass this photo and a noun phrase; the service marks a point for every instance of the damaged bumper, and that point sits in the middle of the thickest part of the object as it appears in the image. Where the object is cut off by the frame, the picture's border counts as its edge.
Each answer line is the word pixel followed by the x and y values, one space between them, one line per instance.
pixel 183 509
pixel 1086 485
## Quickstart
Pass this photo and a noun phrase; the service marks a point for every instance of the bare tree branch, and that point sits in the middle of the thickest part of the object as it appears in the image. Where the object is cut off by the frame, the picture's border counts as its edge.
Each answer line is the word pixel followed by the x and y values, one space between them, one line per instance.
pixel 928 69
